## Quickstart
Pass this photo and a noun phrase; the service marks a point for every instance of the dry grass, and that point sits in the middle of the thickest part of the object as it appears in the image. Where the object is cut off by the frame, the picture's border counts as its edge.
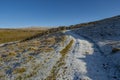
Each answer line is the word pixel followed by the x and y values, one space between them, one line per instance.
pixel 2 75
pixel 12 53
pixel 63 39
pixel 59 63
pixel 66 49
pixel 19 70
pixel 33 72
pixel 49 41
pixel 27 51
pixel 45 49
pixel 9 35
pixel 33 48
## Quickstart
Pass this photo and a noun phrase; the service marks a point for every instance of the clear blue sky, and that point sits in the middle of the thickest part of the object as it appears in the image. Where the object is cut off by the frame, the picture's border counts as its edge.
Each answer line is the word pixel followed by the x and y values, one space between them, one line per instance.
pixel 24 13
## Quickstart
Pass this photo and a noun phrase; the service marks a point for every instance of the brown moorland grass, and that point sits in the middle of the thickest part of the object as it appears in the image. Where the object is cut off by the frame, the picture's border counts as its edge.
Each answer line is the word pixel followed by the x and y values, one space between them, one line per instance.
pixel 9 35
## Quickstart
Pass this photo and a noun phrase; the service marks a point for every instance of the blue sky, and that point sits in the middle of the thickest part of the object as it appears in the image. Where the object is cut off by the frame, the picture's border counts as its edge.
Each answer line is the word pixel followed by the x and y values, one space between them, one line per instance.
pixel 25 13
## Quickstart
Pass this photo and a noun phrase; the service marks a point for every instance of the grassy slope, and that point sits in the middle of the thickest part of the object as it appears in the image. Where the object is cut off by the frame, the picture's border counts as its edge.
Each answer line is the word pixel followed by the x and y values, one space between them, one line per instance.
pixel 8 35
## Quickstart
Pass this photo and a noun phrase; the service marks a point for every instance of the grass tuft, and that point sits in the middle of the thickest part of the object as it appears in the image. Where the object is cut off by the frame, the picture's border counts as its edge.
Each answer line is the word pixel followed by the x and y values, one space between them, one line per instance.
pixel 66 49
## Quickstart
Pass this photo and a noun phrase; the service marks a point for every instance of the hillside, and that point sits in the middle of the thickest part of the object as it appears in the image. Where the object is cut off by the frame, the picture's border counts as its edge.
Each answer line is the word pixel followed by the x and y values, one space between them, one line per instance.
pixel 105 34
pixel 9 35
pixel 88 51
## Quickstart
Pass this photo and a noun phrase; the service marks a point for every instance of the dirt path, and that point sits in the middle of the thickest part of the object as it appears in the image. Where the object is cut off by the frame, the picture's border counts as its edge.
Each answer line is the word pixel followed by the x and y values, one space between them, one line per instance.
pixel 85 60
